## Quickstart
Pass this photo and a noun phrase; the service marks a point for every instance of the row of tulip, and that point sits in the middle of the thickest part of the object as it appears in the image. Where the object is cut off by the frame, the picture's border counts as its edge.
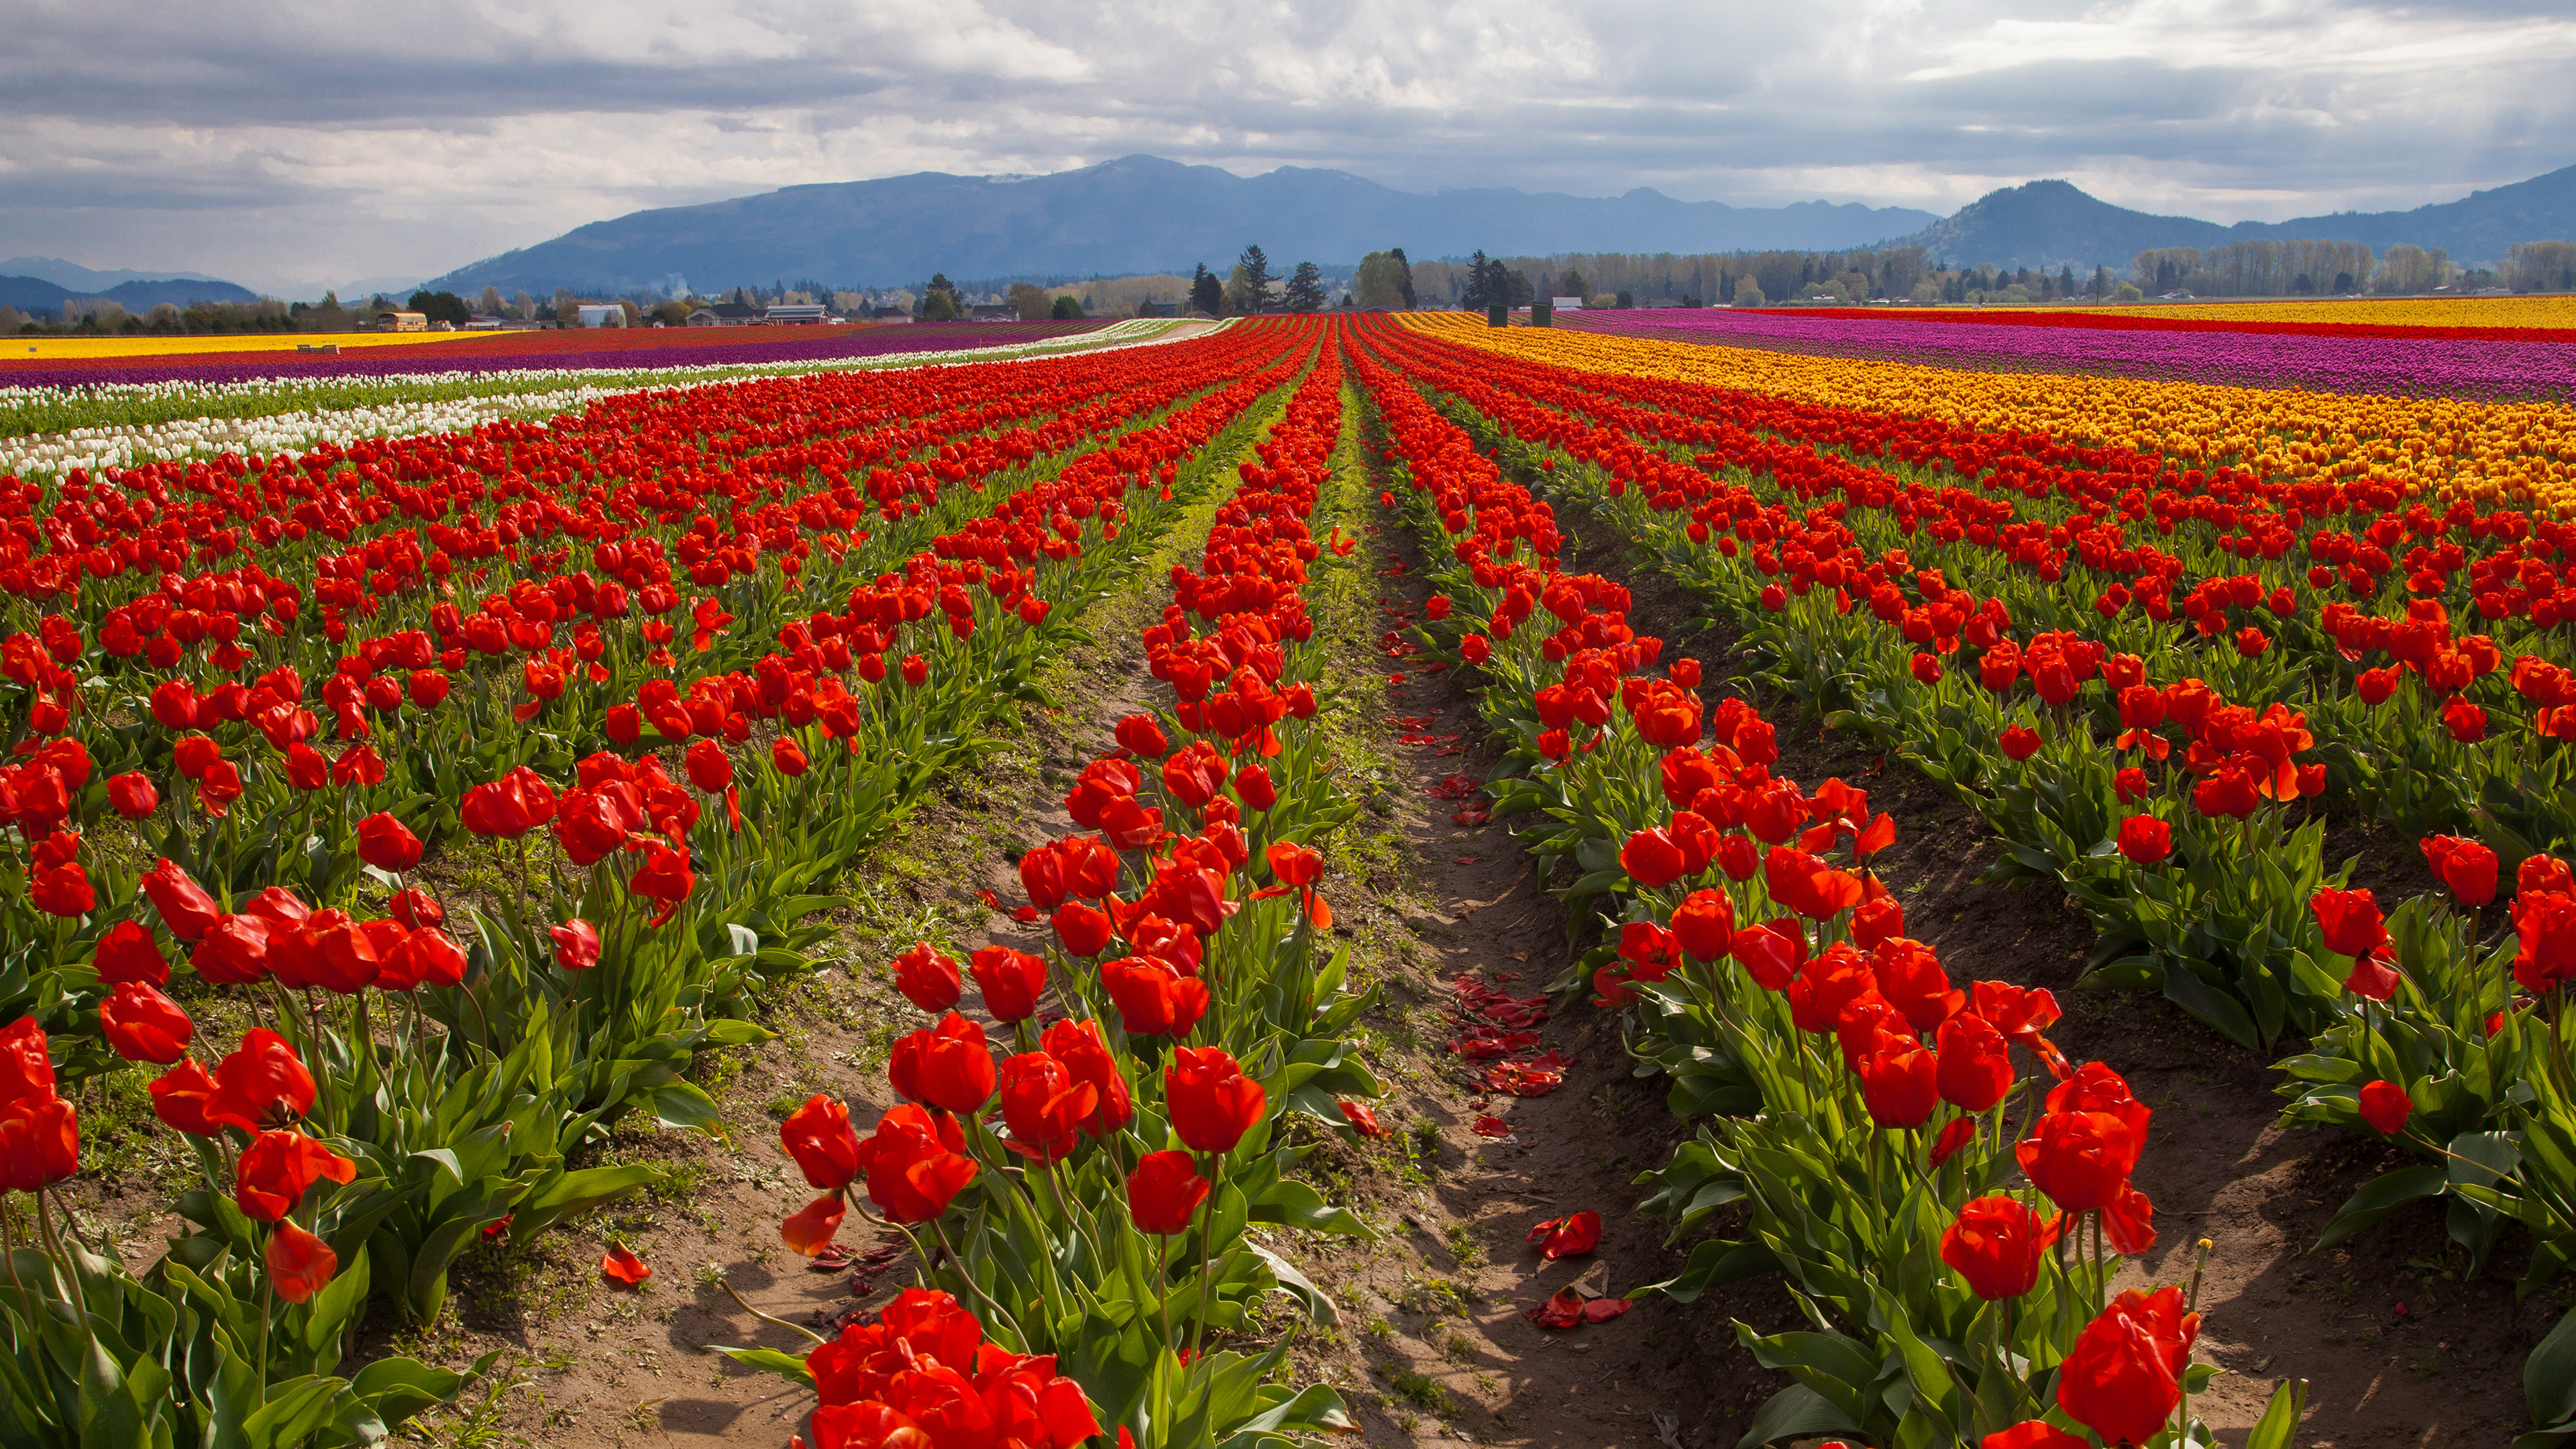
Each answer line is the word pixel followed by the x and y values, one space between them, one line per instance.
pixel 189 360
pixel 1087 1207
pixel 1869 1116
pixel 2257 631
pixel 93 425
pixel 426 1062
pixel 2437 449
pixel 2389 366
pixel 2177 872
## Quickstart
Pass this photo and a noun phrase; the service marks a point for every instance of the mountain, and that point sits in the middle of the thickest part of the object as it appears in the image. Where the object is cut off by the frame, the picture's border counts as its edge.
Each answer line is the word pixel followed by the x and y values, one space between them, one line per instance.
pixel 2477 227
pixel 36 294
pixel 2052 224
pixel 83 281
pixel 1138 214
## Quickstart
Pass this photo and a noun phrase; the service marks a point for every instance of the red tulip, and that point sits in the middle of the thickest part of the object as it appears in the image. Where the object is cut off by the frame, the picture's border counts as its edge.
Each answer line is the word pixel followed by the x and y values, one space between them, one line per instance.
pixel 1139 734
pixel 927 978
pixel 263 1083
pixel 1044 1106
pixel 1078 1045
pixel 2350 920
pixel 2020 742
pixel 2122 1378
pixel 788 757
pixel 183 1096
pixel 1084 929
pixel 277 1167
pixel 1012 981
pixel 132 795
pixel 1876 921
pixel 2467 868
pixel 2386 1106
pixel 1252 784
pixel 1651 858
pixel 511 806
pixel 234 952
pixel 1153 997
pixel 142 1025
pixel 1997 1245
pixel 128 953
pixel 1976 1064
pixel 184 905
pixel 664 876
pixel 576 944
pixel 39 1142
pixel 1294 865
pixel 916 1164
pixel 709 767
pixel 818 1136
pixel 2080 1159
pixel 1212 1102
pixel 2128 1222
pixel 387 844
pixel 946 1065
pixel 61 890
pixel 1704 925
pixel 2371 976
pixel 299 1264
pixel 2145 839
pixel 1900 1084
pixel 425 956
pixel 2545 924
pixel 1164 1192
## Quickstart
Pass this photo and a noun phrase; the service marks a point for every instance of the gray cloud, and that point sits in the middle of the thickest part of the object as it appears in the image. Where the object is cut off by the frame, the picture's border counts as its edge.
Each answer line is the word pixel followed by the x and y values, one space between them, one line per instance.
pixel 277 142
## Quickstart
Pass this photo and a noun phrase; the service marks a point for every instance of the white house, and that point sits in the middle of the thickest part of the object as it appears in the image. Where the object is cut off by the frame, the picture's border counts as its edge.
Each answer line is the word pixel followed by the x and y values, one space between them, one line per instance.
pixel 605 315
pixel 1569 304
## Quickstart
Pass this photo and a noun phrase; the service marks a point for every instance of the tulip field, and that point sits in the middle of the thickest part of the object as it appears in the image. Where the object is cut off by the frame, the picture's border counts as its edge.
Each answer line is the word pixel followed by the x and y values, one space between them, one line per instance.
pixel 485 757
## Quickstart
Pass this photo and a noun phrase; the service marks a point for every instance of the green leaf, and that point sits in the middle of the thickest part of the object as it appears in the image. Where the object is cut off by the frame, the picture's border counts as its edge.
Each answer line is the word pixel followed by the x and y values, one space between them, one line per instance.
pixel 1796 1412
pixel 686 1105
pixel 580 1191
pixel 2549 1377
pixel 769 1360
pixel 2184 988
pixel 2381 1196
pixel 2279 1426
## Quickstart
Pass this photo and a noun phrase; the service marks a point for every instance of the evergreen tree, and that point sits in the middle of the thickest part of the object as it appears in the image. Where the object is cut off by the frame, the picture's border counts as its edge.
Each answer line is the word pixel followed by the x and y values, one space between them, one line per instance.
pixel 1404 274
pixel 1306 288
pixel 1478 294
pixel 1251 281
pixel 1207 294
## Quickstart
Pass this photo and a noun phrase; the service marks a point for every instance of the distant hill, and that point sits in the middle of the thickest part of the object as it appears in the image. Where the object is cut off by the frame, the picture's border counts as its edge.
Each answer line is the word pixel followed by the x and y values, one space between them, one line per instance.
pixel 2052 224
pixel 85 281
pixel 1138 214
pixel 35 294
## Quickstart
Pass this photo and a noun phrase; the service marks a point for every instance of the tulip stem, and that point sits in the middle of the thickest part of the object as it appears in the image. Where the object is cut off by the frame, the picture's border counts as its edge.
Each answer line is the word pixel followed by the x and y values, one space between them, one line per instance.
pixel 728 1287
pixel 1163 1293
pixel 1207 1262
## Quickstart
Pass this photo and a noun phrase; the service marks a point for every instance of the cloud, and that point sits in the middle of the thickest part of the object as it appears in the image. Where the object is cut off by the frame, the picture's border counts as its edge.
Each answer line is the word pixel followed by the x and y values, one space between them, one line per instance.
pixel 275 142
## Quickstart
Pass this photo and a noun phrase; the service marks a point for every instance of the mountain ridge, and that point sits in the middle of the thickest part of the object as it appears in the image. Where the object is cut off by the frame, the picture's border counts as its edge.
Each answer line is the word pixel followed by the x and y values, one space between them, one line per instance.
pixel 2054 223
pixel 1137 214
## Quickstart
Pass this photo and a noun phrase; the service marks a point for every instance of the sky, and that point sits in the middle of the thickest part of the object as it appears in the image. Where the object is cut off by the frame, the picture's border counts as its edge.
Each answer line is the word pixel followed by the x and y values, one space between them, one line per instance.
pixel 292 144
